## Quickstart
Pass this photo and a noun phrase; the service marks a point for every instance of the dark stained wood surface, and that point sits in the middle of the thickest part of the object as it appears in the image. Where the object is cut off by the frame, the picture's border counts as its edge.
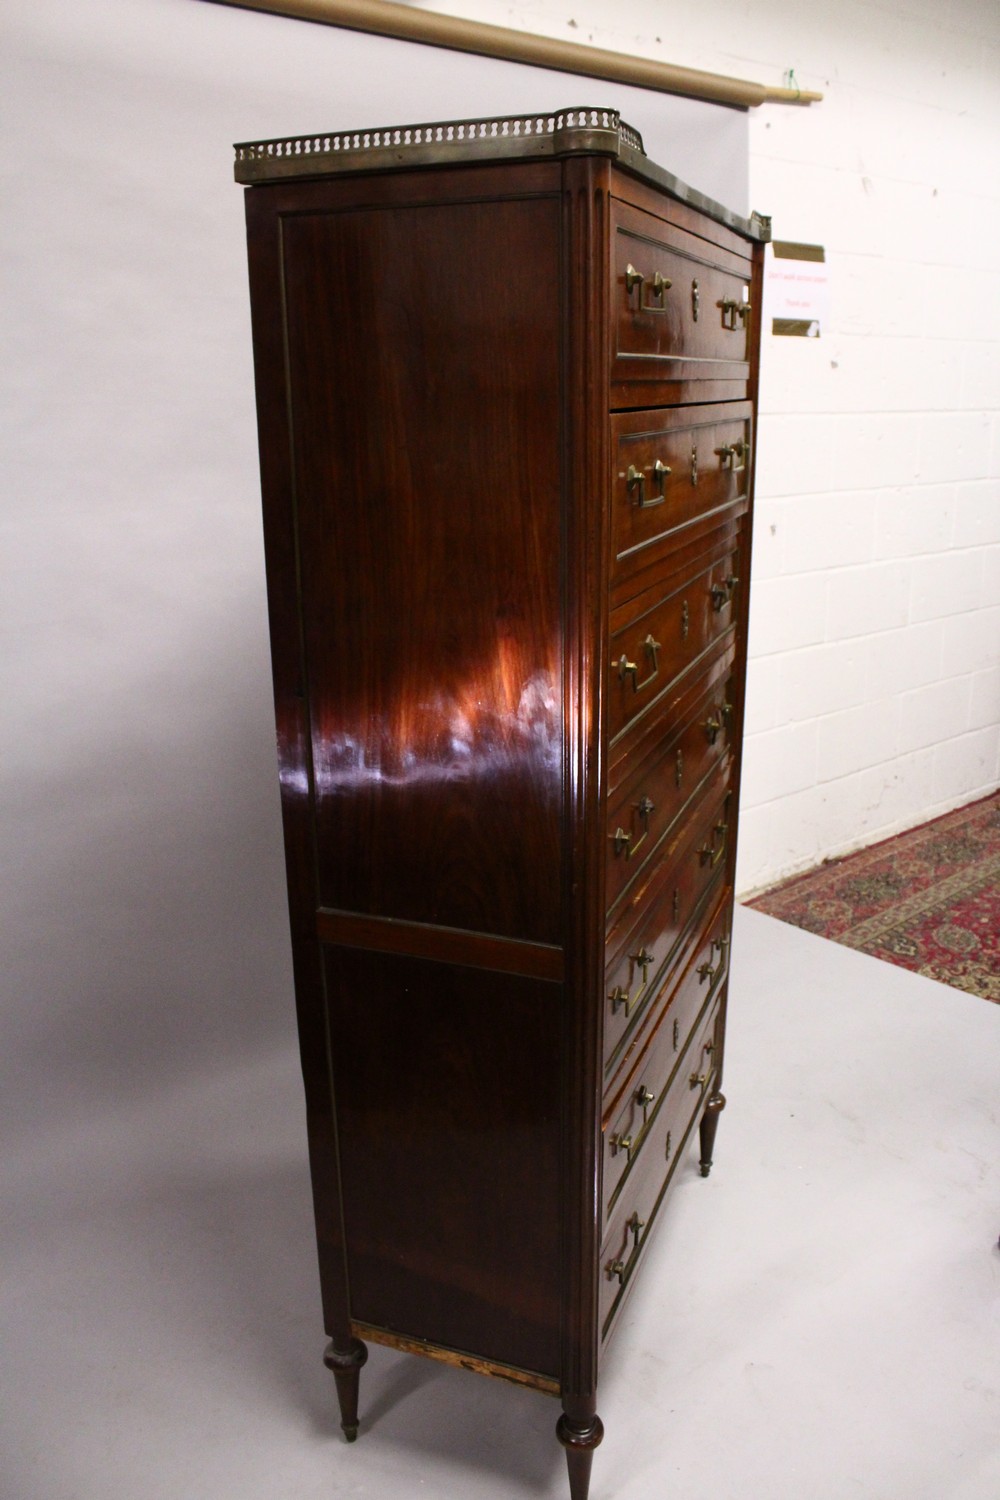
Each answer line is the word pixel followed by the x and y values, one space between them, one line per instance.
pixel 428 495
pixel 480 950
pixel 448 1132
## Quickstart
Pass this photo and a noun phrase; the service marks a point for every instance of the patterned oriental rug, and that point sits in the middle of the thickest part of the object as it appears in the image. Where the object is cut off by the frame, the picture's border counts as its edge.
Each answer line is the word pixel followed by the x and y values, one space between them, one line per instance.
pixel 928 900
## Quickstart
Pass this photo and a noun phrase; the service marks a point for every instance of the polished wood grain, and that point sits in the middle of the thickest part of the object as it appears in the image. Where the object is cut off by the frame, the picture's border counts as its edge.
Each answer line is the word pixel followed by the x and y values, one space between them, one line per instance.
pixel 448 1134
pixel 429 562
pixel 450 945
pixel 586 197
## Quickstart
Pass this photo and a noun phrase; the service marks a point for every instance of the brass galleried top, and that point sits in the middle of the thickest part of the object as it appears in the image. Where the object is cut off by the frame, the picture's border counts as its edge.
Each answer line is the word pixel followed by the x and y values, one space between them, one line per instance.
pixel 568 132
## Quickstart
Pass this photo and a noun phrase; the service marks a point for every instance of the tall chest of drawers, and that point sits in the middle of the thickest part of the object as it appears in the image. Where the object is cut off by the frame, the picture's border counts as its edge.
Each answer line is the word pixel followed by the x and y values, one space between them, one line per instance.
pixel 506 386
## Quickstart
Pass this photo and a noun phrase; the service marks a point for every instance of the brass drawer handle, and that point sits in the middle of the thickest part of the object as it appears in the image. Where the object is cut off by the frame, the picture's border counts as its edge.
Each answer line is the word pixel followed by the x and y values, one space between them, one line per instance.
pixel 635 480
pixel 623 841
pixel 616 1268
pixel 713 852
pixel 713 726
pixel 620 996
pixel 729 453
pixel 706 971
pixel 622 1143
pixel 657 286
pixel 635 1228
pixel 698 1080
pixel 652 650
pixel 722 593
pixel 734 313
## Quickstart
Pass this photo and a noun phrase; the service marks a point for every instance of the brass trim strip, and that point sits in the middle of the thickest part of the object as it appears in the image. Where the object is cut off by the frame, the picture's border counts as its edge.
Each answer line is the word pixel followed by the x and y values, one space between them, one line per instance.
pixel 455 1357
pixel 448 945
pixel 436 30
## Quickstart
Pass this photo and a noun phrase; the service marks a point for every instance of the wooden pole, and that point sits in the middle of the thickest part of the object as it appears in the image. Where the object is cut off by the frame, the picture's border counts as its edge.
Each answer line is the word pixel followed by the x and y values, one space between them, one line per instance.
pixel 386 19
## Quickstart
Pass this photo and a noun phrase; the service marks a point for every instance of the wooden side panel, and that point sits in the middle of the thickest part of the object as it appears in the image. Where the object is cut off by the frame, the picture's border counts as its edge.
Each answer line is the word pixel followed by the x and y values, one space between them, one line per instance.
pixel 446 1081
pixel 424 376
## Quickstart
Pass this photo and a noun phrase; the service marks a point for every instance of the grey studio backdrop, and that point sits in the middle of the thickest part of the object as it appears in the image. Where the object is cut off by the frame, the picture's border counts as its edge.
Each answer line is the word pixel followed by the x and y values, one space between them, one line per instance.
pixel 146 970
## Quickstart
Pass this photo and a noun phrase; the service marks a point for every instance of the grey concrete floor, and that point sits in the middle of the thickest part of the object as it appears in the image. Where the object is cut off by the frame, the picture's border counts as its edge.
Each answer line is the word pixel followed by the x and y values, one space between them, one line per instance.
pixel 820 1319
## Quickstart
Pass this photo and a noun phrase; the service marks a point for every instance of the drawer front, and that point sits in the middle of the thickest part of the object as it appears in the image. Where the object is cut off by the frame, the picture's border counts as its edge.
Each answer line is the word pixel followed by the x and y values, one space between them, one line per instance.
pixel 645 942
pixel 635 1212
pixel 680 307
pixel 670 467
pixel 659 638
pixel 633 1116
pixel 687 738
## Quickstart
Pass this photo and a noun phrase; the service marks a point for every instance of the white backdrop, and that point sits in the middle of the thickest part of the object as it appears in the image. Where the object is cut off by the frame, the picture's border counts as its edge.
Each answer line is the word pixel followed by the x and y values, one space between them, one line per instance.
pixel 144 914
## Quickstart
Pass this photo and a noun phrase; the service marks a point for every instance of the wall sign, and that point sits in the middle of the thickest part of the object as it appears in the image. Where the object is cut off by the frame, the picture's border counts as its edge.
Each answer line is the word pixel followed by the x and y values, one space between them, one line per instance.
pixel 797 290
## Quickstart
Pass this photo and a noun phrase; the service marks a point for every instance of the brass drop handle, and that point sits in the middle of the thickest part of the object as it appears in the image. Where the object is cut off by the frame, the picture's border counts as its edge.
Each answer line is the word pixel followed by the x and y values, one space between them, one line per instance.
pixel 616 1268
pixel 722 592
pixel 733 312
pixel 661 284
pixel 721 943
pixel 645 1097
pixel 636 479
pixel 730 452
pixel 712 728
pixel 695 300
pixel 622 1143
pixel 619 995
pixel 698 1080
pixel 706 971
pixel 644 808
pixel 712 853
pixel 628 668
pixel 636 1226
pixel 633 278
pixel 623 841
pixel 625 667
pixel 642 960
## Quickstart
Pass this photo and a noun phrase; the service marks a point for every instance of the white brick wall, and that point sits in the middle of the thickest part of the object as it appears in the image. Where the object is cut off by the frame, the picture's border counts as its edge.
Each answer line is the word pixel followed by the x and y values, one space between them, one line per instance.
pixel 874 680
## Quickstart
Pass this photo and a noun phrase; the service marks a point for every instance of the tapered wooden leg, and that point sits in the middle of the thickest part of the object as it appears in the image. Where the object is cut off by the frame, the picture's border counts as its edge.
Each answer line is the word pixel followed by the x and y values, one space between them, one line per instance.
pixel 346 1366
pixel 579 1439
pixel 706 1130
